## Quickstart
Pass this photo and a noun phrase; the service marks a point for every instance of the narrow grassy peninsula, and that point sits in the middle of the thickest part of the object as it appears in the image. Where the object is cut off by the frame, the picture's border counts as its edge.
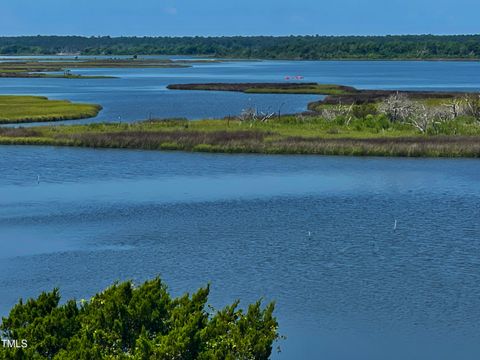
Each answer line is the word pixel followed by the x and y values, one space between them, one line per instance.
pixel 55 68
pixel 373 136
pixel 23 109
pixel 336 94
pixel 270 88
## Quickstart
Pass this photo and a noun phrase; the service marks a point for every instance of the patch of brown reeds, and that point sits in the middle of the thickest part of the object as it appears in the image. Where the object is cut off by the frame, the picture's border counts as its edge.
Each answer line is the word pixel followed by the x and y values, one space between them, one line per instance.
pixel 18 132
pixel 434 146
pixel 185 140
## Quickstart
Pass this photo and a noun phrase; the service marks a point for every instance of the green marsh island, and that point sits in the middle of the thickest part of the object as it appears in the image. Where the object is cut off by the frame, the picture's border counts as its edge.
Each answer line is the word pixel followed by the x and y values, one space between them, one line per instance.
pixel 55 68
pixel 25 109
pixel 347 121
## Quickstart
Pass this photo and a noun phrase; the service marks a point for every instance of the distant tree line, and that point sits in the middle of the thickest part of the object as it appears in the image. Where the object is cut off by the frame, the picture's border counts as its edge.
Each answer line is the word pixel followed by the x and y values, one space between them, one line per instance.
pixel 262 47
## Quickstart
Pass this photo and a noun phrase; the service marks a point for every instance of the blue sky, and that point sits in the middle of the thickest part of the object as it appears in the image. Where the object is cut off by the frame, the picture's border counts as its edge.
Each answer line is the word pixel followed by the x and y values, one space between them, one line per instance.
pixel 238 17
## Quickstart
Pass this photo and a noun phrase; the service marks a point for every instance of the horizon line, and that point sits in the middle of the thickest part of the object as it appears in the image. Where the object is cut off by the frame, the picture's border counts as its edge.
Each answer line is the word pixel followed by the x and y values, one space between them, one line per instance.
pixel 239 35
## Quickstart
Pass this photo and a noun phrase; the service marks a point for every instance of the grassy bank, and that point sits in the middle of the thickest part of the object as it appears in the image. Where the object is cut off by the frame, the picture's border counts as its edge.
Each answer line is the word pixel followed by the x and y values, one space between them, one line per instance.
pixel 270 88
pixel 40 75
pixel 336 94
pixel 45 68
pixel 285 135
pixel 22 109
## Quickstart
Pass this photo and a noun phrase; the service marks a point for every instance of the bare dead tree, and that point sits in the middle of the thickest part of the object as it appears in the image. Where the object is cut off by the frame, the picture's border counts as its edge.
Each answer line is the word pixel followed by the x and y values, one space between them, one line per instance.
pixel 248 114
pixel 333 112
pixel 421 119
pixel 398 107
pixel 471 106
pixel 454 107
pixel 266 116
pixel 252 115
pixel 349 114
pixel 425 117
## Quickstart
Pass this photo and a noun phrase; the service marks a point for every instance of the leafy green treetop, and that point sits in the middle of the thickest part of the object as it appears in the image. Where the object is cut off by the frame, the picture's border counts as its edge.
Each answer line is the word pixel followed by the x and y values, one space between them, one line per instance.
pixel 144 322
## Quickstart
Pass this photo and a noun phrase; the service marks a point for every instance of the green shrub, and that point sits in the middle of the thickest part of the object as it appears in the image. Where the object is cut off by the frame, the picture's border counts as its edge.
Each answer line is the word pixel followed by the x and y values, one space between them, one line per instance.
pixel 128 322
pixel 362 111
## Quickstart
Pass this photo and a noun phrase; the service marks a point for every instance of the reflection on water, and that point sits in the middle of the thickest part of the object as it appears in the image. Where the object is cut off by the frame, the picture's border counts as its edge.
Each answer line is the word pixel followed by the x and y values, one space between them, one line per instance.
pixel 314 233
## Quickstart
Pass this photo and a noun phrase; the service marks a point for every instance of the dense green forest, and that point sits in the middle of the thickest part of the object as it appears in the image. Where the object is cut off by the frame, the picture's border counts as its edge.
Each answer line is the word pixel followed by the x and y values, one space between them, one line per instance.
pixel 263 47
pixel 137 322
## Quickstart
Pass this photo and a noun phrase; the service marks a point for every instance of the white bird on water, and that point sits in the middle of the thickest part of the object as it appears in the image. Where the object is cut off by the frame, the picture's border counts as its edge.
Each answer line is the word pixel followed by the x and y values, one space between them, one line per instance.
pixel 395 225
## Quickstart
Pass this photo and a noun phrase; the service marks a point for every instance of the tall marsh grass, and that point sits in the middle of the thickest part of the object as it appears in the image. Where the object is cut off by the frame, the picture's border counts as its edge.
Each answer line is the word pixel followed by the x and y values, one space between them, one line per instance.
pixel 23 109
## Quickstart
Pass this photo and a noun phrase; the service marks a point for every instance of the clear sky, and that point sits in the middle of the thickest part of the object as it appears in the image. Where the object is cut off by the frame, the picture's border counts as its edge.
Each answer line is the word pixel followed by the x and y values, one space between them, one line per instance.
pixel 238 17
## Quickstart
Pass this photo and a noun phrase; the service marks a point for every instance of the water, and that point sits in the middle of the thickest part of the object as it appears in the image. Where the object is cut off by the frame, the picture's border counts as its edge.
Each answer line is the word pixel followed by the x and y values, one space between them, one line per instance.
pixel 313 233
pixel 316 234
pixel 138 94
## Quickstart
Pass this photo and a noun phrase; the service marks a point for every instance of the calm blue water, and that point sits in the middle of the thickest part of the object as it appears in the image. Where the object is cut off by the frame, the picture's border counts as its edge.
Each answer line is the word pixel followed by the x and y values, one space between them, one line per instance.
pixel 138 94
pixel 352 289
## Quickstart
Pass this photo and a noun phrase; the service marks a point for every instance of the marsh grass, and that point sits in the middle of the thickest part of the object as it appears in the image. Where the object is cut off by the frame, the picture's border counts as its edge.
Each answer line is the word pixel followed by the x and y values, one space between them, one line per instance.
pixel 434 146
pixel 176 139
pixel 22 109
pixel 375 97
pixel 285 135
pixel 47 69
pixel 270 88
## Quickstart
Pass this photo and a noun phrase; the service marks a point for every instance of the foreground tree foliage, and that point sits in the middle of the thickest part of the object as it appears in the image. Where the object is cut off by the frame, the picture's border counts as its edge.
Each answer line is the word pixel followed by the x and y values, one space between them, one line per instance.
pixel 145 322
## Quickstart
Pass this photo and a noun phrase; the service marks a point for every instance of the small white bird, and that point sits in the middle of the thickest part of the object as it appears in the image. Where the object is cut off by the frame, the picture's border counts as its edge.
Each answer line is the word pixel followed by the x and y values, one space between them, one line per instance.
pixel 395 225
